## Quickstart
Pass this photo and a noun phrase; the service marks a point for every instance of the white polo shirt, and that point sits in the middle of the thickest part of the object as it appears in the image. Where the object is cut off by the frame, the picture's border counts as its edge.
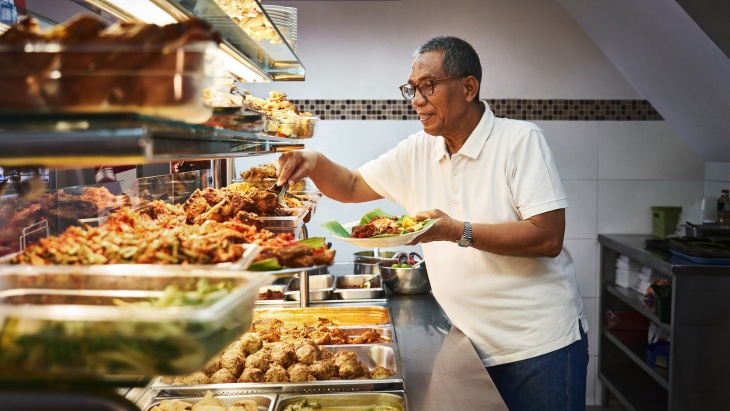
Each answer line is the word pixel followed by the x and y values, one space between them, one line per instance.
pixel 512 308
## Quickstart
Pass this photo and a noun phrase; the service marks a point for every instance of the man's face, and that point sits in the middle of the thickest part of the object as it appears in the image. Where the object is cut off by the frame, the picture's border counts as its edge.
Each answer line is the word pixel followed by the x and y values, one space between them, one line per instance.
pixel 440 112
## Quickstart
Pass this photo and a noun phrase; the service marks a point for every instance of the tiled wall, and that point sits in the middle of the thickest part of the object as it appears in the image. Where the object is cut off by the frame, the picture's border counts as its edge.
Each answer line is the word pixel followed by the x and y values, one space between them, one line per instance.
pixel 540 109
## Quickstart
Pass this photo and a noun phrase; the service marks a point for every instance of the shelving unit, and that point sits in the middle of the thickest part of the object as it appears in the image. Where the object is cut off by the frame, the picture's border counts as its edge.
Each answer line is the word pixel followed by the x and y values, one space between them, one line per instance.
pixel 699 330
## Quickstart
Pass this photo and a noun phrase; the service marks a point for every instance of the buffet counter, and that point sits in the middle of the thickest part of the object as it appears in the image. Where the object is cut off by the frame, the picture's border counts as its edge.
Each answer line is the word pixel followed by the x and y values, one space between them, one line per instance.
pixel 442 371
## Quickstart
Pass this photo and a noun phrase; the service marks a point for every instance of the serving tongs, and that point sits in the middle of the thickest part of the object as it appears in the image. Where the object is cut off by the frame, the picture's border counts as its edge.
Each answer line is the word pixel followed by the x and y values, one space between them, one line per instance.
pixel 280 192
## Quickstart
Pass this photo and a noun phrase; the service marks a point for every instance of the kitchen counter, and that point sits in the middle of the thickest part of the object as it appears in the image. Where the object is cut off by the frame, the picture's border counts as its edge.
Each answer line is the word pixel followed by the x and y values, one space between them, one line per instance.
pixel 442 371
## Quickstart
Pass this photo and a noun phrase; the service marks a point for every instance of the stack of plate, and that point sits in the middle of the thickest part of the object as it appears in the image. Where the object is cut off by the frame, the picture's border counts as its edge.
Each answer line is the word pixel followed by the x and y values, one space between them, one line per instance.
pixel 285 19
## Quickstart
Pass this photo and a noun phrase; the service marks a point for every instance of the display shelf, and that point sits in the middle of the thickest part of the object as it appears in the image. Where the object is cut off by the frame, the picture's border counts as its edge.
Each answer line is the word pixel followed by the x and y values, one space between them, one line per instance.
pixel 272 57
pixel 634 299
pixel 78 140
pixel 699 318
pixel 637 353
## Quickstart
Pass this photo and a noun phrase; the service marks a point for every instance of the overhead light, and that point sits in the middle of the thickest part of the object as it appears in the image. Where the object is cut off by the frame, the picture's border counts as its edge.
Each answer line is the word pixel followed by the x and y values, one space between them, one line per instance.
pixel 140 10
pixel 240 67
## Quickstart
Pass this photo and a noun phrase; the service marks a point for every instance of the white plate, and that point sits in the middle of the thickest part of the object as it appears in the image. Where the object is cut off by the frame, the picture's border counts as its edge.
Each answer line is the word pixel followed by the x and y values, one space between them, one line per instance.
pixel 381 242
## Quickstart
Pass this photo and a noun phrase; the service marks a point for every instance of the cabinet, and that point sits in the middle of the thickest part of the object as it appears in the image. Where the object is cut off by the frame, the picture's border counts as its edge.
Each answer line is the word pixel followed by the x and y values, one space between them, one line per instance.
pixel 697 376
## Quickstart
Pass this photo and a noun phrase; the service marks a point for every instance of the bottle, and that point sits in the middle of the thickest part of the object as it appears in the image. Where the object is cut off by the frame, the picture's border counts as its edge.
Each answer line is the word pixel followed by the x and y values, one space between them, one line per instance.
pixel 6 12
pixel 723 207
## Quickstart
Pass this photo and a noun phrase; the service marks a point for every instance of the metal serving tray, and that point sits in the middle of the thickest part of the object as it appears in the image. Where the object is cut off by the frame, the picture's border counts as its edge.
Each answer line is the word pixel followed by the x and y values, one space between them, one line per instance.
pixel 266 402
pixel 339 316
pixel 346 401
pixel 374 287
pixel 63 320
pixel 320 288
pixel 372 355
pixel 250 252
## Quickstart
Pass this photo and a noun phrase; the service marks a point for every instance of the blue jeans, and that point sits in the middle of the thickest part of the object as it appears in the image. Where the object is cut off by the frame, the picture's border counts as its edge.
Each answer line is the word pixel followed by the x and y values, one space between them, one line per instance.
pixel 554 381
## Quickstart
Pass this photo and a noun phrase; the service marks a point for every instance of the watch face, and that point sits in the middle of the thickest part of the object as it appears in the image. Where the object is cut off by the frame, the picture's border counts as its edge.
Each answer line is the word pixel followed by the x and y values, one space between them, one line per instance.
pixel 464 242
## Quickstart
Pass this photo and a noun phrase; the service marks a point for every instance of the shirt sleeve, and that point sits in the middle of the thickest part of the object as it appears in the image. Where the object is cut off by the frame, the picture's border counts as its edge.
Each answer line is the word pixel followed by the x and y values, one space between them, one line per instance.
pixel 390 174
pixel 535 180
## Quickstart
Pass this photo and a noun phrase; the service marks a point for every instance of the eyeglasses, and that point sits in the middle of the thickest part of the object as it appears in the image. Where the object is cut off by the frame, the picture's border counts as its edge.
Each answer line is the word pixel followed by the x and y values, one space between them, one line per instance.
pixel 425 87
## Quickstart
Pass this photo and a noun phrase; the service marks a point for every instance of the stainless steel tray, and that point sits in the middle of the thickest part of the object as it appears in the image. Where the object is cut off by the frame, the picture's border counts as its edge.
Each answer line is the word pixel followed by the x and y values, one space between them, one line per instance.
pixel 266 402
pixel 372 355
pixel 346 401
pixel 320 288
pixel 338 315
pixel 374 289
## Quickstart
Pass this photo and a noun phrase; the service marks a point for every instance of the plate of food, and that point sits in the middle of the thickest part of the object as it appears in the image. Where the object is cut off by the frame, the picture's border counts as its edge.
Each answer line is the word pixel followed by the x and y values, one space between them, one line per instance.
pixel 380 229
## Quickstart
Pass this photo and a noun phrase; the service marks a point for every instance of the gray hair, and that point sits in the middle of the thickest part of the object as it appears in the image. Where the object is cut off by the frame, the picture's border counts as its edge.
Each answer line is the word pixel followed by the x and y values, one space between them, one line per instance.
pixel 459 57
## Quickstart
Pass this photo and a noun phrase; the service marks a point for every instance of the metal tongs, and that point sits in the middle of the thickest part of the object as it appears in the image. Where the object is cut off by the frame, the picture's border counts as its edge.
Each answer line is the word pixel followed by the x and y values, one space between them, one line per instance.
pixel 280 192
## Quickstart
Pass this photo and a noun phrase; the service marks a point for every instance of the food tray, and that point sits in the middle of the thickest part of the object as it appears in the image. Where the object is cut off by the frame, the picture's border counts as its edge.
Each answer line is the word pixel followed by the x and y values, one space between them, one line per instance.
pixel 250 252
pixel 374 290
pixel 62 319
pixel 340 316
pixel 320 288
pixel 345 401
pixel 372 355
pixel 272 287
pixel 290 222
pixel 236 119
pixel 307 127
pixel 162 82
pixel 266 402
pixel 701 260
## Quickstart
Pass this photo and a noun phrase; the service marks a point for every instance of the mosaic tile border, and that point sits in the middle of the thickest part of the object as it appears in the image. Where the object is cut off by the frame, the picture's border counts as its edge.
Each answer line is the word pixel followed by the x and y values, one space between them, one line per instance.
pixel 540 109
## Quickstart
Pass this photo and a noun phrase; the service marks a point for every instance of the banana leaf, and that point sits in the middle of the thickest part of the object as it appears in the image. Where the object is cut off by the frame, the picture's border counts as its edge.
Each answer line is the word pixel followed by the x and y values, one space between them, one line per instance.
pixel 267 264
pixel 336 229
pixel 339 230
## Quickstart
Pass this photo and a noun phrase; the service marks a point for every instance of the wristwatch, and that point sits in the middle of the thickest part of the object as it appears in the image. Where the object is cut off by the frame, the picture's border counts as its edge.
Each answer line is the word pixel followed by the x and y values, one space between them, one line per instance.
pixel 465 240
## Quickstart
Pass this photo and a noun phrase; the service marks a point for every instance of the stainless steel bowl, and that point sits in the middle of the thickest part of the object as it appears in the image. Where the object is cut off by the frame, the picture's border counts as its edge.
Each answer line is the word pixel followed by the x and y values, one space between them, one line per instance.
pixel 405 280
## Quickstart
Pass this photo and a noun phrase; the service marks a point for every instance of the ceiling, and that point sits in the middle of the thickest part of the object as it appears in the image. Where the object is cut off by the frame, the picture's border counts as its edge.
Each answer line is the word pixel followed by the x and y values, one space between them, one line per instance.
pixel 677 63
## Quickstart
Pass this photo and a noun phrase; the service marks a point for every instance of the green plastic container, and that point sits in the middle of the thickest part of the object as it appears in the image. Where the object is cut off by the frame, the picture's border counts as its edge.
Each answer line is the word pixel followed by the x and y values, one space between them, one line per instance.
pixel 664 221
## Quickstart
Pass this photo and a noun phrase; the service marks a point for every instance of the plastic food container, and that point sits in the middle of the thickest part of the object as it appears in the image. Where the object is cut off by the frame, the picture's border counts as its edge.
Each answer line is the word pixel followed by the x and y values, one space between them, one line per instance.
pixel 307 126
pixel 67 320
pixel 283 126
pixel 163 82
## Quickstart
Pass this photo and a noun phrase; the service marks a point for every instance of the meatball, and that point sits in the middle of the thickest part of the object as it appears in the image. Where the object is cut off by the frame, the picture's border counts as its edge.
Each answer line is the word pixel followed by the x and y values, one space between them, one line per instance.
pixel 252 375
pixel 222 376
pixel 233 361
pixel 283 354
pixel 212 366
pixel 323 370
pixel 380 372
pixel 251 342
pixel 342 356
pixel 307 352
pixel 196 378
pixel 300 373
pixel 276 373
pixel 351 369
pixel 260 359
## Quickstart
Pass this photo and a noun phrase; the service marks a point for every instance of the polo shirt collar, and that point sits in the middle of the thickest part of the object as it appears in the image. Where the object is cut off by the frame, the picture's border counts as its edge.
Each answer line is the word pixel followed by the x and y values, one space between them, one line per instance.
pixel 475 143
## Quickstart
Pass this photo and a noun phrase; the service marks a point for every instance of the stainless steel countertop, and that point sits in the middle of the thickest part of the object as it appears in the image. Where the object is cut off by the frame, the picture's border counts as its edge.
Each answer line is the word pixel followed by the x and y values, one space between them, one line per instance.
pixel 442 371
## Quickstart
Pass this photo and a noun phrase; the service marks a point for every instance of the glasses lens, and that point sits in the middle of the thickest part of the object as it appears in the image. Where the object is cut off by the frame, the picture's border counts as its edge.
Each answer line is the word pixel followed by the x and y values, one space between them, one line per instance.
pixel 408 91
pixel 426 88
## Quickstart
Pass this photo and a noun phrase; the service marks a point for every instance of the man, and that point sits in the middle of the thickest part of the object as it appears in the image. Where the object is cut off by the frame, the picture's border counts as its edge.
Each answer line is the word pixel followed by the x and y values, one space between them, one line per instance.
pixel 495 259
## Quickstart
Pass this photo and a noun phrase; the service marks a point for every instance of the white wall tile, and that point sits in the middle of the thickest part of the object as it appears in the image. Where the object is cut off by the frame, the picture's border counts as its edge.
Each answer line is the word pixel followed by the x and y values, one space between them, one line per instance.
pixel 624 206
pixel 575 145
pixel 580 215
pixel 645 150
pixel 586 265
pixel 717 171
